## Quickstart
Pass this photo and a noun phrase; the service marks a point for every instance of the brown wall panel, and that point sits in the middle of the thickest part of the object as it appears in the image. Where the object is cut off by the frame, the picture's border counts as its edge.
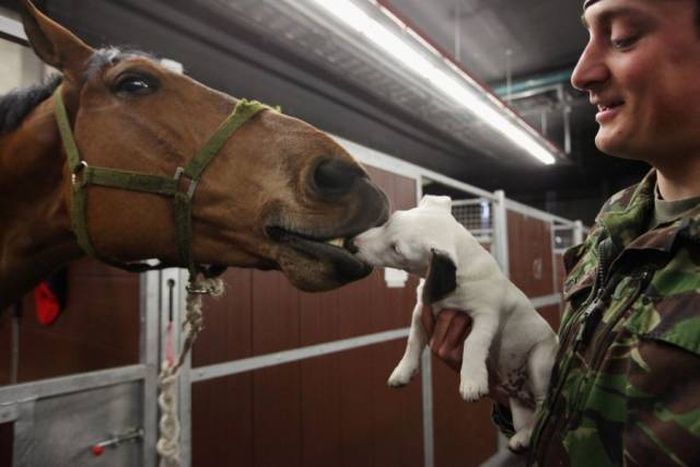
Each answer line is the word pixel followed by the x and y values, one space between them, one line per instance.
pixel 6 444
pixel 356 404
pixel 222 424
pixel 552 314
pixel 98 329
pixel 5 345
pixel 320 412
pixel 398 419
pixel 227 322
pixel 275 313
pixel 464 434
pixel 277 416
pixel 530 253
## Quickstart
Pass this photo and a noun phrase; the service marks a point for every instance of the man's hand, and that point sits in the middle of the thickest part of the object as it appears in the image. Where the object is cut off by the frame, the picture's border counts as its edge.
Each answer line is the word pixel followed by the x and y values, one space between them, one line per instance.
pixel 448 331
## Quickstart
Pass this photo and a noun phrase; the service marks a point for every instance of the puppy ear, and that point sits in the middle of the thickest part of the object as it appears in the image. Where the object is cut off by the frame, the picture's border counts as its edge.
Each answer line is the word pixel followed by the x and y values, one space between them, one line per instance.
pixel 441 279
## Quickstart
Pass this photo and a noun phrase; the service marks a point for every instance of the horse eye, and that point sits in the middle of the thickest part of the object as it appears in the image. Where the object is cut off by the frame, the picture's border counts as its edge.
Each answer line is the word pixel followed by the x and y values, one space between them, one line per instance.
pixel 137 85
pixel 395 247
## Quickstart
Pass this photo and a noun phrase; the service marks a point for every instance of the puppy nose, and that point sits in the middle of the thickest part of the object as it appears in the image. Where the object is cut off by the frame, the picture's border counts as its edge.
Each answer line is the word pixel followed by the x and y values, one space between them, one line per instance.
pixel 333 178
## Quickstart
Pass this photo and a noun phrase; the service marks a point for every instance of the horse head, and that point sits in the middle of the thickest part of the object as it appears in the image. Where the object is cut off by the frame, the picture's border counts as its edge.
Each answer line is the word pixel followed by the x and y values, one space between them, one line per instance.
pixel 279 194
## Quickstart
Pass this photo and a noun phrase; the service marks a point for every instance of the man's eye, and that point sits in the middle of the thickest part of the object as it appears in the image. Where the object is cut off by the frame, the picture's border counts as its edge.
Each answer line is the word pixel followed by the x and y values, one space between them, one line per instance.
pixel 624 42
pixel 134 84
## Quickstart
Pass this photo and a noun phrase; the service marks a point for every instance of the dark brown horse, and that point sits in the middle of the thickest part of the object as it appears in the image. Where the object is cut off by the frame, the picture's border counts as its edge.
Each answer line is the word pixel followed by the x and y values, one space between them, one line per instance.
pixel 274 196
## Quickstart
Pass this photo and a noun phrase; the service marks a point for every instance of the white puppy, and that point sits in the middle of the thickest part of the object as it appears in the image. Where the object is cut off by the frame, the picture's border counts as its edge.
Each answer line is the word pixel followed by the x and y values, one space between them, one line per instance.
pixel 509 341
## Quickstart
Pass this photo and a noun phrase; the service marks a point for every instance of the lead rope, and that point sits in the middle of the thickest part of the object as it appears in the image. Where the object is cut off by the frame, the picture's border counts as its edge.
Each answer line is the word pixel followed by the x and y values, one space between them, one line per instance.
pixel 168 445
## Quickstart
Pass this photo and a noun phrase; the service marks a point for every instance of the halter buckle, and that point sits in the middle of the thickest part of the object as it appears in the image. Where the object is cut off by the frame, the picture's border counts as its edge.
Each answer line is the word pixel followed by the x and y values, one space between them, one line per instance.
pixel 192 183
pixel 81 167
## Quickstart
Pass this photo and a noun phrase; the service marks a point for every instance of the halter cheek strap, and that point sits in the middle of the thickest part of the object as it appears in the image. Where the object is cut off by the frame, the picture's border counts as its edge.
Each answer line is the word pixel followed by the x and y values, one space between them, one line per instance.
pixel 83 175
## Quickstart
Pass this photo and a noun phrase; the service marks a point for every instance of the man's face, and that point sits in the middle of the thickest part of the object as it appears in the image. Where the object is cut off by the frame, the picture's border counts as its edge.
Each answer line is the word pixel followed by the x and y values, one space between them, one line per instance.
pixel 641 68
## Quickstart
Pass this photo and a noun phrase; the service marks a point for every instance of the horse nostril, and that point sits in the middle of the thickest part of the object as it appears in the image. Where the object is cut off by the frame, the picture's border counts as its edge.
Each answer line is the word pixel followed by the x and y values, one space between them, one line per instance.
pixel 335 177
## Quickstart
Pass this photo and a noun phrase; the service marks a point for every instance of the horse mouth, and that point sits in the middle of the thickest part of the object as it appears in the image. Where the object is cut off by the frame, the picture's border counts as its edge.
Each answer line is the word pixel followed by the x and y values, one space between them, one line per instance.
pixel 339 251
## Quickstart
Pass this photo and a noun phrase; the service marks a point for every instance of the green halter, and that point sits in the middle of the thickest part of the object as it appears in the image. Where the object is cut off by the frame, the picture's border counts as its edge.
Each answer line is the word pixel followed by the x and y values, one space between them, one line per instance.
pixel 84 175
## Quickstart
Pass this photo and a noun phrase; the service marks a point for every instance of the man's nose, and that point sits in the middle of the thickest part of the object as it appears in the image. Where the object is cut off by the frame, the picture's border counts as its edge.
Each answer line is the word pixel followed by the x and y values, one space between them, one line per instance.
pixel 591 70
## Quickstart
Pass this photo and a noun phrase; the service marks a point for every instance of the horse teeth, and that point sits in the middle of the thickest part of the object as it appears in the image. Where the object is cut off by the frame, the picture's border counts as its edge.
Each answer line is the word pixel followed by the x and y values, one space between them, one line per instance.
pixel 336 242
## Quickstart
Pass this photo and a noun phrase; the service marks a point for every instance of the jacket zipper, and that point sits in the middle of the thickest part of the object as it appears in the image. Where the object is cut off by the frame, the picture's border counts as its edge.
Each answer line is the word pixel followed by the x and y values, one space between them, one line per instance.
pixel 596 360
pixel 603 343
pixel 581 319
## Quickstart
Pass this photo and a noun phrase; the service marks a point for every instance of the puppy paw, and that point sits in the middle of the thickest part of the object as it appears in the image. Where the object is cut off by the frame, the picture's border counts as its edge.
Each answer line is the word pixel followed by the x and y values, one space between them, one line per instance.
pixel 473 389
pixel 402 375
pixel 520 441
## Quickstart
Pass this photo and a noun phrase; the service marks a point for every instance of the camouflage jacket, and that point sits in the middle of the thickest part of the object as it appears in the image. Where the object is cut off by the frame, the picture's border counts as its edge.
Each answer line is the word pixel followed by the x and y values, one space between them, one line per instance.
pixel 625 389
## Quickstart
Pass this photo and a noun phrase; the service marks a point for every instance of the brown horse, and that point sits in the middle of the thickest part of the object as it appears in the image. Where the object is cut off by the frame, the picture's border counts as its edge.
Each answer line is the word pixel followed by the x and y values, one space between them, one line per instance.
pixel 279 194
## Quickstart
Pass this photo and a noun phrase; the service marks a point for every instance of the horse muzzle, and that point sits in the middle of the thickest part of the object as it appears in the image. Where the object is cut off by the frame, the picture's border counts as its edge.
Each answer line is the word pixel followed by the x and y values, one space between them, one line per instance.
pixel 319 256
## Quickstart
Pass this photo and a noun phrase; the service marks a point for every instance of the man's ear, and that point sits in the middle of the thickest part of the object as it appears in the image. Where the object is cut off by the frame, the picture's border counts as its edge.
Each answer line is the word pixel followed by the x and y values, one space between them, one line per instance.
pixel 441 279
pixel 54 44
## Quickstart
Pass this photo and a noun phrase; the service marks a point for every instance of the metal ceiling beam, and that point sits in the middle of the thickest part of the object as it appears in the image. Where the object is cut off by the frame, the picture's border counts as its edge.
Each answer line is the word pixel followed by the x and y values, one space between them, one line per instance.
pixel 544 81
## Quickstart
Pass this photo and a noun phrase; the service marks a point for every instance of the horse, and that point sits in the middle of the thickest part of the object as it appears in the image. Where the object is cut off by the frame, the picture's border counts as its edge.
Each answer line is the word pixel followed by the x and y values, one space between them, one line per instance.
pixel 276 193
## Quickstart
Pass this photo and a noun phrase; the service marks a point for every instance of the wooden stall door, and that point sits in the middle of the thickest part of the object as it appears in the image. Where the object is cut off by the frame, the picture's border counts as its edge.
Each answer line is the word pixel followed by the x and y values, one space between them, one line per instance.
pixel 532 260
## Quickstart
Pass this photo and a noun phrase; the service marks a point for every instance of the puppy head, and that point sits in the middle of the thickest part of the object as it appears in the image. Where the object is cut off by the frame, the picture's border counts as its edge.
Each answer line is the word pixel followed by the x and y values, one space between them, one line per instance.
pixel 408 238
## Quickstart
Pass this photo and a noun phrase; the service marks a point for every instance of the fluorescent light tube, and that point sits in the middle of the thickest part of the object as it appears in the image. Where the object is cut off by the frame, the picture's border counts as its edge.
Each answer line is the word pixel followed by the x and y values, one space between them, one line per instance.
pixel 476 101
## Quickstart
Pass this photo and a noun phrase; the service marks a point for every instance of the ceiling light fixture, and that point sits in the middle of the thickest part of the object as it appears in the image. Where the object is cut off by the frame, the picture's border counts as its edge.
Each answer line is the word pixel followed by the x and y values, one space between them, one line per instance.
pixel 455 84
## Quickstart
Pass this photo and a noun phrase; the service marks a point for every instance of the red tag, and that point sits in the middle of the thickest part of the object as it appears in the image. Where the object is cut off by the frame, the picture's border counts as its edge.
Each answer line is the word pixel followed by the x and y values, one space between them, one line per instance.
pixel 47 304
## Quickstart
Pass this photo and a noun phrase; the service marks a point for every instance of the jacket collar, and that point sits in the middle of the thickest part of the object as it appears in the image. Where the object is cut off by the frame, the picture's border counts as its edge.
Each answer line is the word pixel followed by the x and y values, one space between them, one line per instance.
pixel 626 217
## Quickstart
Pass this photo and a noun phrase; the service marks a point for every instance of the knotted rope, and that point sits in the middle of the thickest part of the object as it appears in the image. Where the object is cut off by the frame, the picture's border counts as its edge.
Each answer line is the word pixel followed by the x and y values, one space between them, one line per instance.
pixel 168 445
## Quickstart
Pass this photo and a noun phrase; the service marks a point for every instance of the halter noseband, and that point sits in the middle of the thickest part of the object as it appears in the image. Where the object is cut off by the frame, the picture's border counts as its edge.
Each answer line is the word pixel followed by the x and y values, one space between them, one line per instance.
pixel 83 175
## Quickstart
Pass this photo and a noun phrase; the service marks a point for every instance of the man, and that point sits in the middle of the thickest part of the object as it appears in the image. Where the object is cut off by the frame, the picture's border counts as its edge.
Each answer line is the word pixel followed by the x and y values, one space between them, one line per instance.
pixel 626 384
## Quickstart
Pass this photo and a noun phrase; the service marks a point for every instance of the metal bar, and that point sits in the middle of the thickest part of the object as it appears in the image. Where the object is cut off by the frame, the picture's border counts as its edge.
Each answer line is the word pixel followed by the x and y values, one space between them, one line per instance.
pixel 401 167
pixel 150 312
pixel 578 232
pixel 278 358
pixel 546 300
pixel 427 400
pixel 566 112
pixel 24 440
pixel 500 232
pixel 184 383
pixel 468 202
pixel 73 383
pixel 12 28
pixel 552 245
pixel 535 82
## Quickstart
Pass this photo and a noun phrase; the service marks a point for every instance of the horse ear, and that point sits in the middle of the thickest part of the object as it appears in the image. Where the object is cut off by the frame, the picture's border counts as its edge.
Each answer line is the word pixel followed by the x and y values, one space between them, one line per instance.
pixel 441 279
pixel 54 44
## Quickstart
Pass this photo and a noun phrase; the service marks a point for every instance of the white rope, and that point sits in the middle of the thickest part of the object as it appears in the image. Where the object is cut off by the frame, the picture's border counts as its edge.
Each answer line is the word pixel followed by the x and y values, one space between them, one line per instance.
pixel 168 445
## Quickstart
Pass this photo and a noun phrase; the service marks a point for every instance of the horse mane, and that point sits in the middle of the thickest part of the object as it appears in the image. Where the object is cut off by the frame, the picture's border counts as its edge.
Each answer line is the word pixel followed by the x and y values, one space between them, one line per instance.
pixel 16 105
